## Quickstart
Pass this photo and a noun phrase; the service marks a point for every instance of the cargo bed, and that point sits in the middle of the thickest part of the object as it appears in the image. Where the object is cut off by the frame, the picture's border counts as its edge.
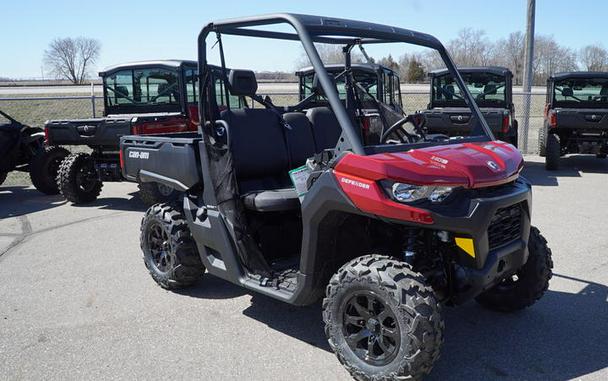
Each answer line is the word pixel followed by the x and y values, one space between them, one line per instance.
pixel 169 159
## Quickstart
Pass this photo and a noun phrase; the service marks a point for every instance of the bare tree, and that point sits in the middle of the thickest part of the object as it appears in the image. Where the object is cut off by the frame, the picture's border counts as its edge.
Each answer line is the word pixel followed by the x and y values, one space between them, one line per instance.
pixel 471 48
pixel 550 57
pixel 510 53
pixel 72 58
pixel 594 57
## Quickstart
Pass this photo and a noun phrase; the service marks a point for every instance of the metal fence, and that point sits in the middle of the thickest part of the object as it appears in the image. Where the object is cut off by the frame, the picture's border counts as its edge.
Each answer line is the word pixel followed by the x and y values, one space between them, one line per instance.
pixel 35 110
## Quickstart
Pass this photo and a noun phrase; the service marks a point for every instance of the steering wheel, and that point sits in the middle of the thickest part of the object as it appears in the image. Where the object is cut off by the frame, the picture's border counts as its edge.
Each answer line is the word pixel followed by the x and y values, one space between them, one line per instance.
pixel 392 129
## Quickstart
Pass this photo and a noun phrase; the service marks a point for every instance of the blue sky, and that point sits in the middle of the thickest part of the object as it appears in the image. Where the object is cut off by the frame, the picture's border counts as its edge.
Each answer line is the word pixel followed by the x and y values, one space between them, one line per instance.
pixel 134 30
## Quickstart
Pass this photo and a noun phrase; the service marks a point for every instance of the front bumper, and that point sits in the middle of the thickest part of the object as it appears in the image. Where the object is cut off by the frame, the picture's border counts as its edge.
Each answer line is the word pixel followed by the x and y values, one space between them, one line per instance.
pixel 497 253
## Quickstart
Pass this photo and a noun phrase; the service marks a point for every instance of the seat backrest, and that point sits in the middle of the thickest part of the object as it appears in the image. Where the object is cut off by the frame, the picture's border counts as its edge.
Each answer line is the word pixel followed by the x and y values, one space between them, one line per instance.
pixel 256 143
pixel 299 138
pixel 325 127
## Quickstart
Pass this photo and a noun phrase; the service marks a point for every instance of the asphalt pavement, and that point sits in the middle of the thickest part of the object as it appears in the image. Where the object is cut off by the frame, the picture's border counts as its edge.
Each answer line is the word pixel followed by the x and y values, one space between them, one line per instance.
pixel 76 301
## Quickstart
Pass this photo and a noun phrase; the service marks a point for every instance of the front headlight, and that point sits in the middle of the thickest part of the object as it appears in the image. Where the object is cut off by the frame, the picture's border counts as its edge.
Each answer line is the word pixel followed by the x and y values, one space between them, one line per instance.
pixel 406 193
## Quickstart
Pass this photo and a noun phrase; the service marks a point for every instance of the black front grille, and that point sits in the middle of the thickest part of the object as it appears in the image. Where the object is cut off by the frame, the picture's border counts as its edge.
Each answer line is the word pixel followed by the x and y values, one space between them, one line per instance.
pixel 505 226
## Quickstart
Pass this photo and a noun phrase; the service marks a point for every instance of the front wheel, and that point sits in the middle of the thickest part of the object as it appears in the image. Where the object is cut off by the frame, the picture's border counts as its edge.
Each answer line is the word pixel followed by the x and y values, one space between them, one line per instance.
pixel 44 167
pixel 169 252
pixel 77 179
pixel 382 319
pixel 528 285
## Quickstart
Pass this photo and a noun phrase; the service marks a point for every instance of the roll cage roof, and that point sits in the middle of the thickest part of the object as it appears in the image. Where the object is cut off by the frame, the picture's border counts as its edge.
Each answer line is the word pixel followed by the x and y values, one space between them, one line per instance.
pixel 170 64
pixel 368 67
pixel 577 74
pixel 498 70
pixel 318 29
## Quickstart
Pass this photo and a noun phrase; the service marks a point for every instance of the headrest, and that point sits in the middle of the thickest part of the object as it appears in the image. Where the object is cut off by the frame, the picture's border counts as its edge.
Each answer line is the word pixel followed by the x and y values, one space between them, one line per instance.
pixel 604 90
pixel 567 92
pixel 448 92
pixel 316 84
pixel 242 82
pixel 489 89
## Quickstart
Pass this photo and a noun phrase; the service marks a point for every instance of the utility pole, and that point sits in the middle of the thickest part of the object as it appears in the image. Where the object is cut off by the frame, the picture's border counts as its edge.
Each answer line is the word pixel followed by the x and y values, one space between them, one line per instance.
pixel 528 75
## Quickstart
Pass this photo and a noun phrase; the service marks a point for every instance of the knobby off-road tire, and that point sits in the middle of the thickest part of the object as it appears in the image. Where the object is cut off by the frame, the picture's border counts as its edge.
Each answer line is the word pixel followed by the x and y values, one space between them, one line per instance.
pixel 529 284
pixel 3 177
pixel 169 252
pixel 77 179
pixel 552 152
pixel 44 168
pixel 375 299
pixel 154 193
pixel 541 142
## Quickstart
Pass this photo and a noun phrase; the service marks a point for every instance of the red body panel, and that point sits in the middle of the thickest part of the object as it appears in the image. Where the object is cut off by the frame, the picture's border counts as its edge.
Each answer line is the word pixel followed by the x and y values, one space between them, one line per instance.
pixel 469 165
pixel 368 197
pixel 168 124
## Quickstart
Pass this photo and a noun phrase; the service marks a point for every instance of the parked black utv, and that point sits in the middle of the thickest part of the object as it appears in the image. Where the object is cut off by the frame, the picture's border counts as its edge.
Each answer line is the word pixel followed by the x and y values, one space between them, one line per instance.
pixel 576 117
pixel 492 89
pixel 377 89
pixel 22 149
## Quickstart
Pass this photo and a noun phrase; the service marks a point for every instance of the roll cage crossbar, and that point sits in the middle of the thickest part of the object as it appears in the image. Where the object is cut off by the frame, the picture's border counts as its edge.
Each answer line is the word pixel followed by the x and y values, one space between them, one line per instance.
pixel 317 29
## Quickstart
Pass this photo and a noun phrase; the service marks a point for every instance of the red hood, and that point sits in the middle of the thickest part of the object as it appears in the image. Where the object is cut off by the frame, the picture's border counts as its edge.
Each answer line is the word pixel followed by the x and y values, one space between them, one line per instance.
pixel 472 165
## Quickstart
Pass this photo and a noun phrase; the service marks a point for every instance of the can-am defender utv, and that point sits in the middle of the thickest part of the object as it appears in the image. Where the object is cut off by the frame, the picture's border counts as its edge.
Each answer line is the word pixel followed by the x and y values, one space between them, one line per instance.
pixel 22 149
pixel 148 97
pixel 576 116
pixel 388 232
pixel 491 86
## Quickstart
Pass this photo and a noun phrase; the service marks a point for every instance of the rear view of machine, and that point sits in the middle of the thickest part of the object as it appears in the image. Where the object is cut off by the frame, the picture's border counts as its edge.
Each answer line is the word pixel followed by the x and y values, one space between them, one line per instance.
pixel 492 90
pixel 576 117
pixel 141 98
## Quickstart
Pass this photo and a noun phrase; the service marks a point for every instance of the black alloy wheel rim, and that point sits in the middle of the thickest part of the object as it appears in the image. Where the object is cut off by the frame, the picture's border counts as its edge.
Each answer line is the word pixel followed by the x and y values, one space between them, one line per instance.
pixel 160 248
pixel 86 178
pixel 370 328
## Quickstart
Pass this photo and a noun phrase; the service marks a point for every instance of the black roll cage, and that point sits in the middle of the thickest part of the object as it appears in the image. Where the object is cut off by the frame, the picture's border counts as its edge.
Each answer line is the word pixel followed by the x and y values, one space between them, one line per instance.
pixel 348 33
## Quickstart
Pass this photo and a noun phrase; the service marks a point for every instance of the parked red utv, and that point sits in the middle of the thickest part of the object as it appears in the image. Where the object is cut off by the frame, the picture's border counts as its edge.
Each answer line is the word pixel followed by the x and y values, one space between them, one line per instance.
pixel 297 205
pixel 143 98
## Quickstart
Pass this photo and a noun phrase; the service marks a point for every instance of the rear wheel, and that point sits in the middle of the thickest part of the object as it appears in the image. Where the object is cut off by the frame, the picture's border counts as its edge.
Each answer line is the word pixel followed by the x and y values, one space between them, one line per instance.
pixel 382 320
pixel 3 177
pixel 529 283
pixel 553 152
pixel 541 142
pixel 153 193
pixel 44 167
pixel 169 252
pixel 77 179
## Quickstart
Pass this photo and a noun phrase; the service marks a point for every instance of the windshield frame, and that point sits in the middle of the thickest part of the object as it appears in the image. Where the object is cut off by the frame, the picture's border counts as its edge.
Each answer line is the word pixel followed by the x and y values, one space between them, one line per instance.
pixel 311 29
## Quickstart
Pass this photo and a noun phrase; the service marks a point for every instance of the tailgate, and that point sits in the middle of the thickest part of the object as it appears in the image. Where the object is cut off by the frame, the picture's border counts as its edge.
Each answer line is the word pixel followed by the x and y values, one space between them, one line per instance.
pixel 457 121
pixel 587 119
pixel 170 159
pixel 92 132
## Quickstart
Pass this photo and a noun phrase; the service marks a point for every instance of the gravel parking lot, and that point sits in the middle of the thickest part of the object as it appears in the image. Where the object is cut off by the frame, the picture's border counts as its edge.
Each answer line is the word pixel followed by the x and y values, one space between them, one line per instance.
pixel 76 301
